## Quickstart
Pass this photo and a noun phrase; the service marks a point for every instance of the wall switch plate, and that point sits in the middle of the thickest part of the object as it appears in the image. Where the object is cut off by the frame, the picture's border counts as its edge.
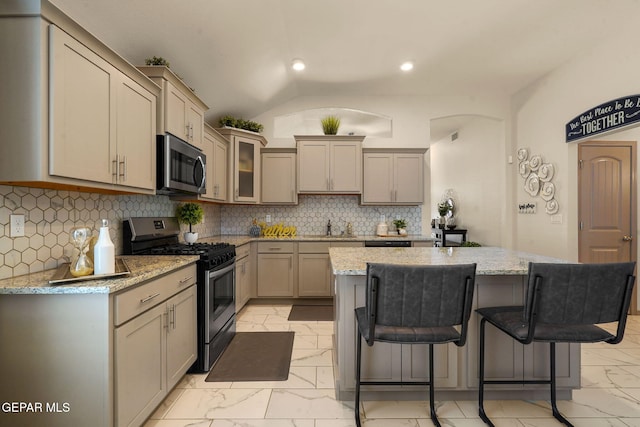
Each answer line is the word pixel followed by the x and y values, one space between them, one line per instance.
pixel 556 219
pixel 268 219
pixel 17 225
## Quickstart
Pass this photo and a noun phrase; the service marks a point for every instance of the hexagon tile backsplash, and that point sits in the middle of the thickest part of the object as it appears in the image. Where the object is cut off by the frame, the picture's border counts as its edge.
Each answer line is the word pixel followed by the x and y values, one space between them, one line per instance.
pixel 50 215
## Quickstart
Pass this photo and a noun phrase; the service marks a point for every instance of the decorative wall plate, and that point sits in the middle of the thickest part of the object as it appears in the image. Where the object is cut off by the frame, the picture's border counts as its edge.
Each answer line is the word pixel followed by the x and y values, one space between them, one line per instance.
pixel 551 207
pixel 545 172
pixel 532 184
pixel 548 191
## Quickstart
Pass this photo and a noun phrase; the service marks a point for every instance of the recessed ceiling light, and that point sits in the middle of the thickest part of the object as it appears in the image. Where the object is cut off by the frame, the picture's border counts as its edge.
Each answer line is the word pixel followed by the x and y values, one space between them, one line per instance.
pixel 298 65
pixel 407 66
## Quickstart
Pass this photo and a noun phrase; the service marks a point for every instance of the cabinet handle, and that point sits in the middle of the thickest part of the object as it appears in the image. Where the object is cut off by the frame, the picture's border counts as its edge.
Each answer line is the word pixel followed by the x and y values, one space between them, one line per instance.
pixel 114 166
pixel 187 130
pixel 188 279
pixel 123 173
pixel 149 298
pixel 328 184
pixel 237 193
pixel 275 249
pixel 331 184
pixel 172 310
pixel 627 238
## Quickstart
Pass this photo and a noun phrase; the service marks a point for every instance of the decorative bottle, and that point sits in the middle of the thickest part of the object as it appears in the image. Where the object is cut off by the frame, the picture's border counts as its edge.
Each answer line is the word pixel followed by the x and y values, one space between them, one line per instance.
pixel 104 255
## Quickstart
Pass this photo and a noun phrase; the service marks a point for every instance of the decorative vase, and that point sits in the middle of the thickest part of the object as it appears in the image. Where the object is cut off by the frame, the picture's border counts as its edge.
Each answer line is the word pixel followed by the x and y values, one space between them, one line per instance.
pixel 402 231
pixel 190 238
pixel 451 223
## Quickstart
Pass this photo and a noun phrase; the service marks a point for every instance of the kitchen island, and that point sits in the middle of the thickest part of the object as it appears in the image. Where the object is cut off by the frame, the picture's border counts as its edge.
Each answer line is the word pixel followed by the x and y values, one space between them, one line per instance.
pixel 500 280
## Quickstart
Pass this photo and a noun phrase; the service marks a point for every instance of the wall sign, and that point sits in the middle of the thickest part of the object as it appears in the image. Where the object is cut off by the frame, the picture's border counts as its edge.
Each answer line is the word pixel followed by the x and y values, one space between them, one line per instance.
pixel 611 115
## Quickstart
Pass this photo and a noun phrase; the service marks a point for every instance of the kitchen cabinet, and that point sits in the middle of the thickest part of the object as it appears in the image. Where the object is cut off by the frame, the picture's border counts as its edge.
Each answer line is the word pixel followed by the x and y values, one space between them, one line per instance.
pixel 276 269
pixel 243 275
pixel 314 267
pixel 216 149
pixel 244 164
pixel 154 348
pixel 329 164
pixel 181 112
pixel 314 273
pixel 279 176
pixel 393 177
pixel 90 113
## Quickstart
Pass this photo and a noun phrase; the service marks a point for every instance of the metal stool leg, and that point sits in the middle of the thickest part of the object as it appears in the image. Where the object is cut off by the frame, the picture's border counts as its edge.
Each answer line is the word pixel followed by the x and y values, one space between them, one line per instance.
pixel 358 365
pixel 552 367
pixel 432 406
pixel 481 412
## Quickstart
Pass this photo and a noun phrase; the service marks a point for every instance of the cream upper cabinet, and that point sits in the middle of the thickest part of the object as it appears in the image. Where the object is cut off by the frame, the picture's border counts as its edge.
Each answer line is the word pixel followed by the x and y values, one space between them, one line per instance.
pixel 279 176
pixel 393 177
pixel 244 164
pixel 216 149
pixel 89 112
pixel 102 120
pixel 181 112
pixel 329 164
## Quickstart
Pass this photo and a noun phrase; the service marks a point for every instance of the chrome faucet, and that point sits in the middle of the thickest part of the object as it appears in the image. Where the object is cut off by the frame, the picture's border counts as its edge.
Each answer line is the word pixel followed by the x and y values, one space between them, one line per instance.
pixel 329 228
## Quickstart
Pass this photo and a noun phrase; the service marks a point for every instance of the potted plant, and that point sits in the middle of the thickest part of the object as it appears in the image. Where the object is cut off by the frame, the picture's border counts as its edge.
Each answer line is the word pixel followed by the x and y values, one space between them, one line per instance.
pixel 443 210
pixel 190 213
pixel 157 60
pixel 250 125
pixel 330 125
pixel 401 226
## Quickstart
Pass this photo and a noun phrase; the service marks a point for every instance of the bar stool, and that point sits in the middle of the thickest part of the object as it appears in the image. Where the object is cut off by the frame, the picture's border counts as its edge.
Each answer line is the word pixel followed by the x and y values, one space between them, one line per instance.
pixel 414 305
pixel 563 303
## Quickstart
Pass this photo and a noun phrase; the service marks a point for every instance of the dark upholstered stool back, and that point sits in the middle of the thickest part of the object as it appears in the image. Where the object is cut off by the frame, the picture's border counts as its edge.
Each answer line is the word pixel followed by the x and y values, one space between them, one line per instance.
pixel 578 294
pixel 419 296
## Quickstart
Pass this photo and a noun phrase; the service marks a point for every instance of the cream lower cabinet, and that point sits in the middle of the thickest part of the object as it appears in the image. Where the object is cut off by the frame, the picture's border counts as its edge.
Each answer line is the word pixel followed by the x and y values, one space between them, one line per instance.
pixel 314 274
pixel 276 265
pixel 279 176
pixel 154 349
pixel 243 275
pixel 329 164
pixel 103 122
pixel 393 177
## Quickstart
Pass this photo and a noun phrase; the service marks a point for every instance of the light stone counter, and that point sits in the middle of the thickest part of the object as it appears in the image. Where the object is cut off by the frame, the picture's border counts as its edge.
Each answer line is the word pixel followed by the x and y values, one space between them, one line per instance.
pixel 500 281
pixel 238 240
pixel 142 268
pixel 489 260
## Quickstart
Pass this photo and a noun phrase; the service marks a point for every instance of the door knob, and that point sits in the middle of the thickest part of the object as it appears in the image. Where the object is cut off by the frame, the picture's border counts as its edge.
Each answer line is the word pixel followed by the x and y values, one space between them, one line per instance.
pixel 627 238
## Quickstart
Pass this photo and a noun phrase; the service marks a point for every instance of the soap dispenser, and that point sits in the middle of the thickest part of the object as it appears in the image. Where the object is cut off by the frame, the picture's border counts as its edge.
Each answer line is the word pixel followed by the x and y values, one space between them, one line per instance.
pixel 104 255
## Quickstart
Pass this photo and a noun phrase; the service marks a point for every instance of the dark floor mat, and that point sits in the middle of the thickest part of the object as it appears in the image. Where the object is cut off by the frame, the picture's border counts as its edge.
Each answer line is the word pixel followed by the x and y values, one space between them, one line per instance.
pixel 254 356
pixel 311 313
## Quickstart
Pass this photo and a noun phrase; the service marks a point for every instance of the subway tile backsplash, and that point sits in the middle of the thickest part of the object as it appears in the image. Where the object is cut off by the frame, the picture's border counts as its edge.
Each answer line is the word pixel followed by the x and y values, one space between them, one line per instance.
pixel 51 214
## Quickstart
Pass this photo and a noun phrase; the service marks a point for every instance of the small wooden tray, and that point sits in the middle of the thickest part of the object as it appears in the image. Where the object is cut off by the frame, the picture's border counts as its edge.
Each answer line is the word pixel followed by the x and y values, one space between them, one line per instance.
pixel 63 274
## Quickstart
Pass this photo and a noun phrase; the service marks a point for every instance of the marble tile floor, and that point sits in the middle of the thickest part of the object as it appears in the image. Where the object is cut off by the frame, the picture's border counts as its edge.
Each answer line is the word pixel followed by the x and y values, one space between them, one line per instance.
pixel 610 393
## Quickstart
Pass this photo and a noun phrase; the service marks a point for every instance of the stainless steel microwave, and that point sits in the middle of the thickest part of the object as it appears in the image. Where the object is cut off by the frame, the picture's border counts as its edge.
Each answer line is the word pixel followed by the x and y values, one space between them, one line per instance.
pixel 181 168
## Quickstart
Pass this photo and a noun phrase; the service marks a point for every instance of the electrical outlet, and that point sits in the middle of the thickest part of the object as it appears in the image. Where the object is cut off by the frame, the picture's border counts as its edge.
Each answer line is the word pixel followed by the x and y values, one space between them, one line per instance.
pixel 268 219
pixel 17 225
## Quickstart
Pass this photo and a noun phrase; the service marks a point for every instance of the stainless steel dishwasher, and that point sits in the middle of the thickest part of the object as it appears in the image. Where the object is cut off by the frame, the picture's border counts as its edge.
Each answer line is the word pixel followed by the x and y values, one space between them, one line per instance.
pixel 387 243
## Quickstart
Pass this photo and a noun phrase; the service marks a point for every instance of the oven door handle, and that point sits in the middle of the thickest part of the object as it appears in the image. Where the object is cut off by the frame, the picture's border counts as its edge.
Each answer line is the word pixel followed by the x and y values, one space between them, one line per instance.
pixel 204 174
pixel 217 273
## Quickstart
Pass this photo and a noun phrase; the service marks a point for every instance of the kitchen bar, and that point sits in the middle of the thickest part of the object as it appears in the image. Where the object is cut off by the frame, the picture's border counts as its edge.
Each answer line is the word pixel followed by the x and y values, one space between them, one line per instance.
pixel 500 280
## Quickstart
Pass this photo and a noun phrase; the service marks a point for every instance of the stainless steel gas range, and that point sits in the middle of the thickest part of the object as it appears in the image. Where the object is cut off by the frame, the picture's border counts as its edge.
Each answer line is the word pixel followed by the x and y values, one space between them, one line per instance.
pixel 216 280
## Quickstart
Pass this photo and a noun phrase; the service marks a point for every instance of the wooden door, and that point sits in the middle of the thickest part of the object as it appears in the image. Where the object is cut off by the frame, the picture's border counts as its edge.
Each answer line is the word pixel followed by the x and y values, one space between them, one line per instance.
pixel 607 194
pixel 182 339
pixel 378 182
pixel 279 178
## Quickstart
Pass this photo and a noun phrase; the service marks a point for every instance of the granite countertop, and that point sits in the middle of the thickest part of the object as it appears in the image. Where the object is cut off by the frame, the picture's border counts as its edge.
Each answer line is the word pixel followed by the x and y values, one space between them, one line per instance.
pixel 241 240
pixel 142 268
pixel 489 260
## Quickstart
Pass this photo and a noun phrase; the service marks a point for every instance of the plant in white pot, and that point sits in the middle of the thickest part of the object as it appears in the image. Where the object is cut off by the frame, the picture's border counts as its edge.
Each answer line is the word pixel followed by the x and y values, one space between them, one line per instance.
pixel 190 213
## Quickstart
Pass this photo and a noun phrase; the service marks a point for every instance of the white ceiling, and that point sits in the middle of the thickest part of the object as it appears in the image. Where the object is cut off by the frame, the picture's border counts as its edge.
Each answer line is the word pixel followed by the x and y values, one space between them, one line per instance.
pixel 237 53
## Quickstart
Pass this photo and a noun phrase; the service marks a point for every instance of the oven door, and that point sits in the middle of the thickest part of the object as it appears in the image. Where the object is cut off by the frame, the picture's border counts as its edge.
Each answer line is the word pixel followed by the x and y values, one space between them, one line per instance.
pixel 180 167
pixel 220 304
